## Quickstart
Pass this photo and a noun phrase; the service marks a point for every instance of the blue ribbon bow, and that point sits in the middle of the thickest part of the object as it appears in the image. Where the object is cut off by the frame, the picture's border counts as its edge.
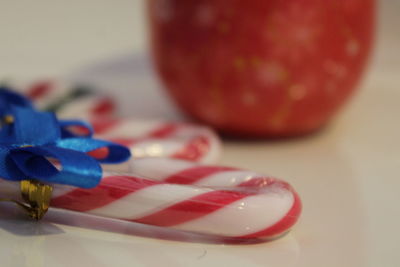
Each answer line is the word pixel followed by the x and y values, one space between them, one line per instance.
pixel 36 145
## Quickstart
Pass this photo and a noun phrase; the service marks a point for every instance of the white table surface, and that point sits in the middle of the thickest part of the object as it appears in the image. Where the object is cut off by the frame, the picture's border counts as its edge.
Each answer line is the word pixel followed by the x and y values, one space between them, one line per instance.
pixel 348 175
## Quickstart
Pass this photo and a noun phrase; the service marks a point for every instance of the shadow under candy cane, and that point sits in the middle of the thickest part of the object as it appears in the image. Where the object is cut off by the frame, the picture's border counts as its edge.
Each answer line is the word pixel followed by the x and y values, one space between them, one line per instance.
pixel 14 220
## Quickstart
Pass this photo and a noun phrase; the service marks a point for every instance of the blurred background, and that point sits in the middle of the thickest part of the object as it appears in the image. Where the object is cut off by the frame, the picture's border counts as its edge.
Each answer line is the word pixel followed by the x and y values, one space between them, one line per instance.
pixel 347 174
pixel 85 37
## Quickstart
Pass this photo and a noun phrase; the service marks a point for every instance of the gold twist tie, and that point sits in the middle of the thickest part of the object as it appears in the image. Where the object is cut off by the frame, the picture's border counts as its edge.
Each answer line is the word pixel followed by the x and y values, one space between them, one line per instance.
pixel 8 119
pixel 37 197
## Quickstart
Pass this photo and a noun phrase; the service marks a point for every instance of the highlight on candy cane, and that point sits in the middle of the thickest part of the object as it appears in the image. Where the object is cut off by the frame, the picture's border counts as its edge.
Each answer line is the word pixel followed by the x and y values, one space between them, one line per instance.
pixel 257 207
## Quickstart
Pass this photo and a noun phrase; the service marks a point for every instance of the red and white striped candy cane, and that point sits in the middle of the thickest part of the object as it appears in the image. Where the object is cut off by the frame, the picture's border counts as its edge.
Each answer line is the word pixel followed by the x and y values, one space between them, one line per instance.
pixel 254 207
pixel 50 92
pixel 146 138
pixel 154 138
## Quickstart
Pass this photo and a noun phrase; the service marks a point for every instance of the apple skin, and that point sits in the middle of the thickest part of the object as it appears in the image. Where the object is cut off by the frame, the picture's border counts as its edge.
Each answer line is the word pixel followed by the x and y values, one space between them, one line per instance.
pixel 261 68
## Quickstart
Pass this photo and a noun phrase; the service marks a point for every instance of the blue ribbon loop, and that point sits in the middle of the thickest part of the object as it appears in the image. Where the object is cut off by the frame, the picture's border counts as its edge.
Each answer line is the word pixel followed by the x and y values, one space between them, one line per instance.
pixel 66 132
pixel 38 146
pixel 9 98
pixel 30 127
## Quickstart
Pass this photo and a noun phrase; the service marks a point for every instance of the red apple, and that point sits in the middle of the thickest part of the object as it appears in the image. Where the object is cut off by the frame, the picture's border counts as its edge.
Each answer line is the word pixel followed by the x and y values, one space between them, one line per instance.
pixel 261 67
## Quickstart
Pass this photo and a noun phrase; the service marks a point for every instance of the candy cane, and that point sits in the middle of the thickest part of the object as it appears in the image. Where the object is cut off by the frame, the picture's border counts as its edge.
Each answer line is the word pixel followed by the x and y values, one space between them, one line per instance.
pixel 47 94
pixel 260 207
pixel 153 138
pixel 146 138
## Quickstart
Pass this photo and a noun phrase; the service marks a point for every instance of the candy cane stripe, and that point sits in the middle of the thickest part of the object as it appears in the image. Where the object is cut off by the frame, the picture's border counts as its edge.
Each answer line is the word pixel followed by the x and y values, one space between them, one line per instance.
pixel 148 200
pixel 104 106
pixel 194 174
pixel 244 217
pixel 109 190
pixel 193 150
pixel 192 208
pixel 102 126
pixel 39 90
pixel 164 131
